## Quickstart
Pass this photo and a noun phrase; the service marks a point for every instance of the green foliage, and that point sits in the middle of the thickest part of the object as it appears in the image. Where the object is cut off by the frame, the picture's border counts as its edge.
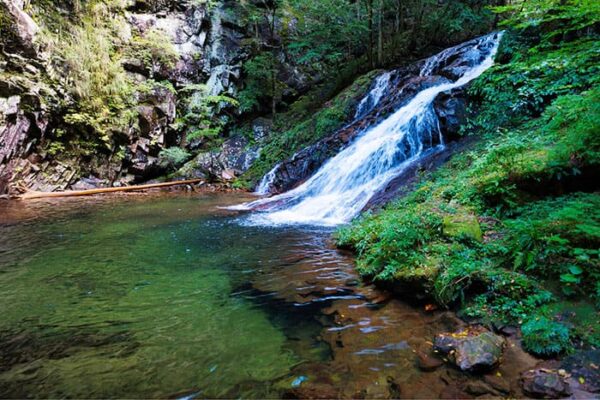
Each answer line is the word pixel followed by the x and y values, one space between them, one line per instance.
pixel 559 239
pixel 386 247
pixel 340 39
pixel 556 146
pixel 552 17
pixel 97 80
pixel 204 118
pixel 327 32
pixel 154 49
pixel 537 121
pixel 261 82
pixel 55 148
pixel 150 85
pixel 174 157
pixel 574 122
pixel 530 78
pixel 544 337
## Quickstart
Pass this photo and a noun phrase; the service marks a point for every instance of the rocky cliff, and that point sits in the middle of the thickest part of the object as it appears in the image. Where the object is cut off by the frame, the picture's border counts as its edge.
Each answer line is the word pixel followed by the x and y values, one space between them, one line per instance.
pixel 43 144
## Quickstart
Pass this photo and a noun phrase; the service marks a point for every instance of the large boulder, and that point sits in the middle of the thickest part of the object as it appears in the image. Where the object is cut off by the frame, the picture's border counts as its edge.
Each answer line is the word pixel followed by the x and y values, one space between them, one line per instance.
pixel 17 29
pixel 23 122
pixel 473 349
pixel 187 30
pixel 234 158
pixel 224 51
pixel 451 110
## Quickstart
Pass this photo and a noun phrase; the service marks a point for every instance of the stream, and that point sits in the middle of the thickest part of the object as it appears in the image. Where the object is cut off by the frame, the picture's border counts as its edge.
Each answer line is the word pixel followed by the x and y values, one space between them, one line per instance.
pixel 148 296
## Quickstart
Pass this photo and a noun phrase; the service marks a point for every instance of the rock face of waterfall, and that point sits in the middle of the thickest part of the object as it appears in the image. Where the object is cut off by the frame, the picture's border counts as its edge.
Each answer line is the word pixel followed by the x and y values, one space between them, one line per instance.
pixel 384 143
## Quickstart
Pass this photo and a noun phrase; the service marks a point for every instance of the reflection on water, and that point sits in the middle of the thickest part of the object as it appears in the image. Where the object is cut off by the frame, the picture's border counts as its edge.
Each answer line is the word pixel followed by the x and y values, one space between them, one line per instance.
pixel 170 296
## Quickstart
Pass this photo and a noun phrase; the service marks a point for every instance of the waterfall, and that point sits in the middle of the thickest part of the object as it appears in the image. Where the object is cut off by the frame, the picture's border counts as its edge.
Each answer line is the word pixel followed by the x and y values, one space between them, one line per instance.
pixel 345 183
pixel 265 184
pixel 372 99
pixel 367 104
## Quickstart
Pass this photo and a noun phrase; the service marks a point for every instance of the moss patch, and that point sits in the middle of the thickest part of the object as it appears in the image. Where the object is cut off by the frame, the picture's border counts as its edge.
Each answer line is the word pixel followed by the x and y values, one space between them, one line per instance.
pixel 457 226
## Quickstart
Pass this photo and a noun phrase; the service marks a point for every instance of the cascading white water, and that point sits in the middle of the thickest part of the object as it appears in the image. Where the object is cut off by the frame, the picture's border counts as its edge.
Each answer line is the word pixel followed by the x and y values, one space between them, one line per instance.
pixel 372 99
pixel 265 183
pixel 344 185
pixel 365 106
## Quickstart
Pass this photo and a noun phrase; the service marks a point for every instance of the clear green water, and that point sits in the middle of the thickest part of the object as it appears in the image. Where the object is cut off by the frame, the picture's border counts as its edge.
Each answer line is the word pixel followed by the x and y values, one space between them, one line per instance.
pixel 144 297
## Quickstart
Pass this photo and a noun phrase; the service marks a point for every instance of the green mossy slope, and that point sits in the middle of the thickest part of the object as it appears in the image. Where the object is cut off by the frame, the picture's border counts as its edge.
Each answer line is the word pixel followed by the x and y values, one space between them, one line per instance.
pixel 530 184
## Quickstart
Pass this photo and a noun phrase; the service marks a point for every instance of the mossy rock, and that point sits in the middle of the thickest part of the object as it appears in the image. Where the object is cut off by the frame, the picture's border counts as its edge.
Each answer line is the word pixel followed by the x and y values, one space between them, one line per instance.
pixel 462 225
pixel 414 284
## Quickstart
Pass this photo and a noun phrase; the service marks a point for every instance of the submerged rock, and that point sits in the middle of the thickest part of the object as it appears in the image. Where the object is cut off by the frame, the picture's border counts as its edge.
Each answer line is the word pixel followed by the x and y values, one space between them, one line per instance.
pixel 479 388
pixel 545 383
pixel 474 349
pixel 426 361
pixel 498 383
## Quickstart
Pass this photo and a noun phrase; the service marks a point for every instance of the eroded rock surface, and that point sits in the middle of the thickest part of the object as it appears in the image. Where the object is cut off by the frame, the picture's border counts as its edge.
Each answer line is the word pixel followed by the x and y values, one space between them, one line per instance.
pixel 473 349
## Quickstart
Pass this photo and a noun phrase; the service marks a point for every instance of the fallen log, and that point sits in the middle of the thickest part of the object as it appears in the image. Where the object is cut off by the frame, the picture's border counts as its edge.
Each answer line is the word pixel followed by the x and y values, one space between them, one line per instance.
pixel 90 192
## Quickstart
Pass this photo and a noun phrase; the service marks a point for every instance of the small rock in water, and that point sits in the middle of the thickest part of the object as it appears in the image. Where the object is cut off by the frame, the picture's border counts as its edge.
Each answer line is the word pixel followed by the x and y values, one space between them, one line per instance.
pixel 474 349
pixel 426 361
pixel 545 383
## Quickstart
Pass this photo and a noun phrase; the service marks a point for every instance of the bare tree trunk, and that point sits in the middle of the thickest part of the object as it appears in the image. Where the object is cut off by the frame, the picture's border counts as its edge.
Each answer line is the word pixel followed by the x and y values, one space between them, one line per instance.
pixel 78 193
pixel 398 16
pixel 273 93
pixel 371 39
pixel 380 35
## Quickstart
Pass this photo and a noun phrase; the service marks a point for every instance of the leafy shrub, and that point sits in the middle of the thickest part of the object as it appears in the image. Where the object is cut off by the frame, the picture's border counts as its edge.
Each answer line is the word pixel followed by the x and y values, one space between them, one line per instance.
pixel 551 17
pixel 328 121
pixel 575 122
pixel 204 116
pixel 174 157
pixel 559 239
pixel 544 337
